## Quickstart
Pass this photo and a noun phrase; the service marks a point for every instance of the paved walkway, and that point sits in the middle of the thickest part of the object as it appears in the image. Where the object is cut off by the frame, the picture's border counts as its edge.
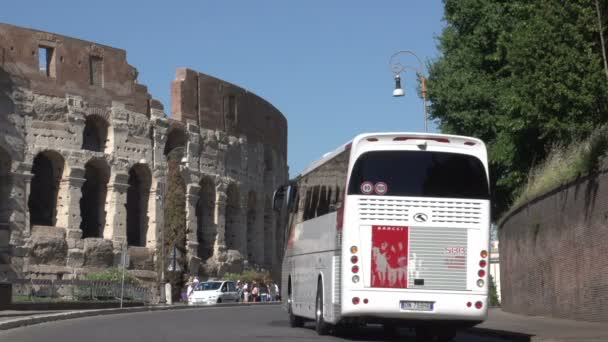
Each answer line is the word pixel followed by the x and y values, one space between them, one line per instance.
pixel 536 328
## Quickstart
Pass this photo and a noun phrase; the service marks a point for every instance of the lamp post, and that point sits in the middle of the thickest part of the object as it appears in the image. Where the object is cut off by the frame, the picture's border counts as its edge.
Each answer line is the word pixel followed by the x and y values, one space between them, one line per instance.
pixel 397 68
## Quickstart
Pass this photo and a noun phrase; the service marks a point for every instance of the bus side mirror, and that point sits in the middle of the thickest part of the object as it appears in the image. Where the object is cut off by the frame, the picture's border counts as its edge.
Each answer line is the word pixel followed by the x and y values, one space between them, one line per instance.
pixel 278 199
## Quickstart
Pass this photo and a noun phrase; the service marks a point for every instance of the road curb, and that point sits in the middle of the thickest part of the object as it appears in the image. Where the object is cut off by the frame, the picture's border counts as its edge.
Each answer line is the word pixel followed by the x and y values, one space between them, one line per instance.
pixel 26 321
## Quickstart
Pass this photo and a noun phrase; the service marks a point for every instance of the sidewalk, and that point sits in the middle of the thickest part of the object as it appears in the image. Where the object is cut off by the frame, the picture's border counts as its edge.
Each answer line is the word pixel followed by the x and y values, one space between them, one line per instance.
pixel 10 319
pixel 9 315
pixel 537 328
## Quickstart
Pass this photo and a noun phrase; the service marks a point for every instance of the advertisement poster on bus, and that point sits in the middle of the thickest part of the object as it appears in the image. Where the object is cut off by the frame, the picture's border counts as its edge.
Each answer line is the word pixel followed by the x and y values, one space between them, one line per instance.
pixel 390 248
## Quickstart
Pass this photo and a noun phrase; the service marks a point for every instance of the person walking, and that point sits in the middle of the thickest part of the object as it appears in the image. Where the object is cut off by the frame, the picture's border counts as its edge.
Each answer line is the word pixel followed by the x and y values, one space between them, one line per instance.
pixel 246 293
pixel 255 292
pixel 272 292
pixel 278 293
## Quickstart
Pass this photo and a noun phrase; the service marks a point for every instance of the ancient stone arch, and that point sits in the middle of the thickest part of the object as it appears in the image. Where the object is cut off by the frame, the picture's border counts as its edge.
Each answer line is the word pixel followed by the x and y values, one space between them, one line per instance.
pixel 92 202
pixel 268 160
pixel 205 218
pixel 251 225
pixel 175 139
pixel 269 242
pixel 5 187
pixel 232 215
pixel 47 170
pixel 138 196
pixel 95 133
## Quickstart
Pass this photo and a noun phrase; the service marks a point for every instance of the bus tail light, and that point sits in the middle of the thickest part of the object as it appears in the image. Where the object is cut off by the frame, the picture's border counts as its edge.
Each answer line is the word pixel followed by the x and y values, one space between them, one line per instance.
pixel 356 300
pixel 354 249
pixel 484 254
pixel 480 283
pixel 481 273
pixel 354 259
pixel 469 143
pixel 482 264
pixel 355 279
pixel 355 269
pixel 469 304
pixel 372 139
pixel 365 301
pixel 441 140
pixel 479 305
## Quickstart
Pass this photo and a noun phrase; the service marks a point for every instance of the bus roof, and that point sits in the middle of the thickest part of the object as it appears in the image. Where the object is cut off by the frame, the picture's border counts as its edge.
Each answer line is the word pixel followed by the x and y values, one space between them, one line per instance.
pixel 391 136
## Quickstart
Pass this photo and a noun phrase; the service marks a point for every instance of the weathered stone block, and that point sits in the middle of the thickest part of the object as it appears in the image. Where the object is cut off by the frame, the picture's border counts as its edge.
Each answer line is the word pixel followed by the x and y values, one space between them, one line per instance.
pixel 75 258
pixel 98 253
pixel 47 247
pixel 141 258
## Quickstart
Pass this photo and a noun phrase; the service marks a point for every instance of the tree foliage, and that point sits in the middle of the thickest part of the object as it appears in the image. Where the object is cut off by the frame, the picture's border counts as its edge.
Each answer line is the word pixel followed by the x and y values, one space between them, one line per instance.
pixel 175 220
pixel 521 75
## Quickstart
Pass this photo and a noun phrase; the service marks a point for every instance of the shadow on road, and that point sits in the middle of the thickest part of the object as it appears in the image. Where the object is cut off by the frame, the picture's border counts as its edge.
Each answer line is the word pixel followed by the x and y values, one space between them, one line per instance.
pixel 375 333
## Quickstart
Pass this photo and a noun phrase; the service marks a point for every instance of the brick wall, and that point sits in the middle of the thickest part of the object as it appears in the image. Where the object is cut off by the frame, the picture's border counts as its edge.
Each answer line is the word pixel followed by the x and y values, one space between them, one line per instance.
pixel 554 253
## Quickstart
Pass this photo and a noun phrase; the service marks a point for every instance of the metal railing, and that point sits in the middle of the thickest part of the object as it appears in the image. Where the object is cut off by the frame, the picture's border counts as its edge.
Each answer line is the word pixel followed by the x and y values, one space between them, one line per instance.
pixel 42 290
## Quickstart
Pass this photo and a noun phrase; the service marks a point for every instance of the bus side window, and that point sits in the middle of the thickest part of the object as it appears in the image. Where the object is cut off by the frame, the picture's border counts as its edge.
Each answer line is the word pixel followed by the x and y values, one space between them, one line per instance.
pixel 314 203
pixel 307 204
pixel 338 199
pixel 292 201
pixel 323 207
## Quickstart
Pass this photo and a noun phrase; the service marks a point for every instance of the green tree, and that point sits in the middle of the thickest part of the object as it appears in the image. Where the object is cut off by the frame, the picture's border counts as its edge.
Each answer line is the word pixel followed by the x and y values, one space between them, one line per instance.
pixel 522 76
pixel 175 220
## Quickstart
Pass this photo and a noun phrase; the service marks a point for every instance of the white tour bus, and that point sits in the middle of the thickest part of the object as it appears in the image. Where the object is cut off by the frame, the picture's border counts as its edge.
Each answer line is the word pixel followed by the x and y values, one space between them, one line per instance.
pixel 391 228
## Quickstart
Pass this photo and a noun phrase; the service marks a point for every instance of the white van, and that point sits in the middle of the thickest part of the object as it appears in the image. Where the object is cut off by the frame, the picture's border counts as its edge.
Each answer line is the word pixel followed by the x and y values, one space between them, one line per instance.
pixel 214 292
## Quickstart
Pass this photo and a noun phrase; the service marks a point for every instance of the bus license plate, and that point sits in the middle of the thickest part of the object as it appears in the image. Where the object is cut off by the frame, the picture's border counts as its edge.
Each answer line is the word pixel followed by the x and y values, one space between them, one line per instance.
pixel 416 306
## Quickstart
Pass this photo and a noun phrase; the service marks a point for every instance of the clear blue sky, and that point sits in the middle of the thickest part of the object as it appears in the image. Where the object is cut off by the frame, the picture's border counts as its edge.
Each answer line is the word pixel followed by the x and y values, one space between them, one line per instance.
pixel 323 63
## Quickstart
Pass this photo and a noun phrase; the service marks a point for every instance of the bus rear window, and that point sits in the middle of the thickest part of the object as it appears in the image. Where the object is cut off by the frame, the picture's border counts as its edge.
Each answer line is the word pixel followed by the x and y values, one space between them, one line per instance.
pixel 421 174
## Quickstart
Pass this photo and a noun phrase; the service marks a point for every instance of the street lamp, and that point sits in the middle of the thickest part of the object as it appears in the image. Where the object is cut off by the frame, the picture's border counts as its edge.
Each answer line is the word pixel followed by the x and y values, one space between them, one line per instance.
pixel 397 68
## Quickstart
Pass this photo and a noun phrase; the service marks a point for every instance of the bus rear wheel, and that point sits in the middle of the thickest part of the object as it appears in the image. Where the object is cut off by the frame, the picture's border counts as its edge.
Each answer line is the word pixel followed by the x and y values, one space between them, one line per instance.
pixel 321 327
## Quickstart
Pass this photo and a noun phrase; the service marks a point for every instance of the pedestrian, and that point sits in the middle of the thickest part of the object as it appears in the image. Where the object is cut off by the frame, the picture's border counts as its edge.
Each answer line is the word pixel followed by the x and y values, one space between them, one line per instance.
pixel 189 289
pixel 278 293
pixel 255 292
pixel 272 291
pixel 246 293
pixel 239 291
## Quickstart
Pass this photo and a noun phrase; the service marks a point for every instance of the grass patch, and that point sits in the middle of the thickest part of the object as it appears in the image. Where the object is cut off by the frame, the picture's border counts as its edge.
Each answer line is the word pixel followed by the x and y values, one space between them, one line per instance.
pixel 564 164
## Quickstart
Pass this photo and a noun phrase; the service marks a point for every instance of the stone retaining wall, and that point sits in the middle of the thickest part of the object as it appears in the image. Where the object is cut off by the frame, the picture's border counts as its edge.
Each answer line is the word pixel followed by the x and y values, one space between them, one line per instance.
pixel 553 253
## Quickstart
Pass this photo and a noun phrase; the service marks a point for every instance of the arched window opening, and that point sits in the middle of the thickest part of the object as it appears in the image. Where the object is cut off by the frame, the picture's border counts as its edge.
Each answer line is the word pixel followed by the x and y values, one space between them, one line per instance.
pixel 42 203
pixel 5 189
pixel 205 218
pixel 138 195
pixel 95 133
pixel 176 139
pixel 269 239
pixel 268 160
pixel 92 202
pixel 251 223
pixel 232 217
pixel 323 206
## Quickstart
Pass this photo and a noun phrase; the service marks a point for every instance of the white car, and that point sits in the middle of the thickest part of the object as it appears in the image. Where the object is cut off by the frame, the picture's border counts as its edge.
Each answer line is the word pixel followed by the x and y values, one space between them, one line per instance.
pixel 212 292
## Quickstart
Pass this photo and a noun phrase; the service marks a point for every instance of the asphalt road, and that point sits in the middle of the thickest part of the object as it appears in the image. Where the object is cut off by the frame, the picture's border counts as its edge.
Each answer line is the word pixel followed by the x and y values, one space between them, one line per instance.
pixel 225 324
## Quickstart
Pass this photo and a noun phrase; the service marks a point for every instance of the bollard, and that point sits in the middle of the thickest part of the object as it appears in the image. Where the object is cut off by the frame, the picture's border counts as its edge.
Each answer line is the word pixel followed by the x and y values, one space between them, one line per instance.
pixel 168 294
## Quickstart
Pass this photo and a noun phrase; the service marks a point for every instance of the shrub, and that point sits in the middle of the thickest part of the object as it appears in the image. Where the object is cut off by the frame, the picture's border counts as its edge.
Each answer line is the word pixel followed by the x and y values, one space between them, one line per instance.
pixel 113 274
pixel 494 301
pixel 564 164
pixel 249 275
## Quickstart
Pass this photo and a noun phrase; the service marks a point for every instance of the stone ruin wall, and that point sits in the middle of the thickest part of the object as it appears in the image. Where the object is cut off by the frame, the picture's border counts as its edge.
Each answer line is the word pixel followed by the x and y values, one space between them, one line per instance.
pixel 83 163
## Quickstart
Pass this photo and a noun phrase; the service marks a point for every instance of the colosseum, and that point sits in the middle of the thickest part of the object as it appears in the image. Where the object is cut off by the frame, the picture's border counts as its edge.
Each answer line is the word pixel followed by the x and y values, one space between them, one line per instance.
pixel 85 155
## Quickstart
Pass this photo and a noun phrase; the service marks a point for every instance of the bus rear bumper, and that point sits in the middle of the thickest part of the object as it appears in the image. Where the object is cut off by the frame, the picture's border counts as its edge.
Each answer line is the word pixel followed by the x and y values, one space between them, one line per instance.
pixel 447 307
